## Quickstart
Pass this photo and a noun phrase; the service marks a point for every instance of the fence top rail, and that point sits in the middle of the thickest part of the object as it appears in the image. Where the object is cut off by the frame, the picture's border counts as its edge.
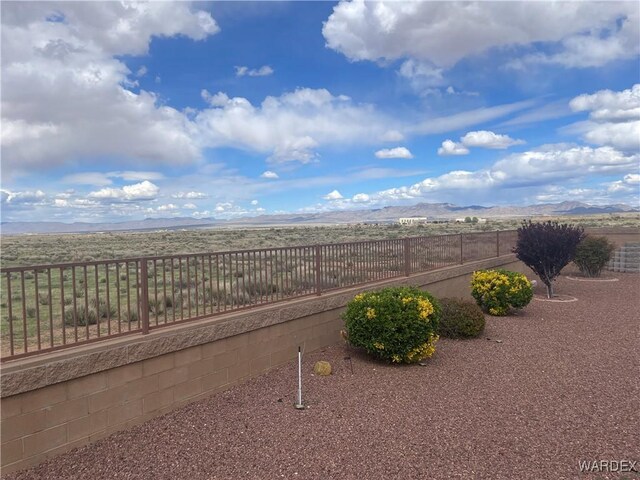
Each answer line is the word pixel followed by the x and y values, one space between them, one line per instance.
pixel 18 269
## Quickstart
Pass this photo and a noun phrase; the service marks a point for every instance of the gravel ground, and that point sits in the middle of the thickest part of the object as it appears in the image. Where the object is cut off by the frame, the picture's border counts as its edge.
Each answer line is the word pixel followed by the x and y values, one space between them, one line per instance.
pixel 561 386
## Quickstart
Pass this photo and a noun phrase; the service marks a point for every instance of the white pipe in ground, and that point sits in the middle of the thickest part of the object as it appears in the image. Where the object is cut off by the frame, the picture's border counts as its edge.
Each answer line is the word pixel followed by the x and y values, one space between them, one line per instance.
pixel 299 405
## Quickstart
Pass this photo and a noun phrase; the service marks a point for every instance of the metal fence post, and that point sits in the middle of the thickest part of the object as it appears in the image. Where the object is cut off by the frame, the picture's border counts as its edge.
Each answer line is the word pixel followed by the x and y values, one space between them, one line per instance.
pixel 497 243
pixel 318 268
pixel 144 299
pixel 407 257
pixel 461 256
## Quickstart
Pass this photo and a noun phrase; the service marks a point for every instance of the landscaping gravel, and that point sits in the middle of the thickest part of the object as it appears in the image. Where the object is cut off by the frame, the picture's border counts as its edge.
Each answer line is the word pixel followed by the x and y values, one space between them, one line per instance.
pixel 555 384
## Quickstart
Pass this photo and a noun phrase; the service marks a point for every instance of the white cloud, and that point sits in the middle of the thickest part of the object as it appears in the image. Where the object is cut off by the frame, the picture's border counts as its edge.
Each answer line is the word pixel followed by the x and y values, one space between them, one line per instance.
pixel 392 136
pixel 136 176
pixel 226 210
pixel 295 149
pixel 614 118
pixel 254 72
pixel 549 111
pixel 141 72
pixel 625 136
pixel 289 127
pixel 202 214
pixel 190 195
pixel 333 195
pixel 480 138
pixel 64 85
pixel 29 197
pixel 129 193
pixel 449 147
pixel 269 174
pixel 102 179
pixel 632 179
pixel 607 105
pixel 466 119
pixel 487 139
pixel 88 178
pixel 222 206
pixel 558 162
pixel 190 206
pixel 421 76
pixel 397 152
pixel 169 207
pixel 439 34
pixel 629 183
pixel 539 169
pixel 360 198
pixel 254 202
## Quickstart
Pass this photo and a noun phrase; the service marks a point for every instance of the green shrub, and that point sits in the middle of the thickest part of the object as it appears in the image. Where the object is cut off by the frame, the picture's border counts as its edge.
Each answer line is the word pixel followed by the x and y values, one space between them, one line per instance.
pixel 83 316
pixel 398 324
pixel 499 290
pixel 592 255
pixel 105 311
pixel 131 317
pixel 460 318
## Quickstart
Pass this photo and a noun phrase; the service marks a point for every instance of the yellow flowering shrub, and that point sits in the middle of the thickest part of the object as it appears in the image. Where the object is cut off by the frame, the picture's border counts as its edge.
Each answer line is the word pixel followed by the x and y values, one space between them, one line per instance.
pixel 497 291
pixel 397 324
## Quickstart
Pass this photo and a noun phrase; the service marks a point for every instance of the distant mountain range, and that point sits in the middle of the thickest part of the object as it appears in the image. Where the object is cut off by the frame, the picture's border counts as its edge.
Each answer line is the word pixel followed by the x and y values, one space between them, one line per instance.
pixel 380 215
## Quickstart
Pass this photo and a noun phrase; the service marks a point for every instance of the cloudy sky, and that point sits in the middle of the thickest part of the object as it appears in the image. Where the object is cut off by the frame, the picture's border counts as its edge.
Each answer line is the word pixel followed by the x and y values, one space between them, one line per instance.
pixel 120 111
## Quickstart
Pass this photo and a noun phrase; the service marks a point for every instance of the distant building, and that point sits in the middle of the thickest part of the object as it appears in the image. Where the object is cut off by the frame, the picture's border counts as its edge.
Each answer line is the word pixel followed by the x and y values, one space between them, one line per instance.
pixel 471 220
pixel 413 220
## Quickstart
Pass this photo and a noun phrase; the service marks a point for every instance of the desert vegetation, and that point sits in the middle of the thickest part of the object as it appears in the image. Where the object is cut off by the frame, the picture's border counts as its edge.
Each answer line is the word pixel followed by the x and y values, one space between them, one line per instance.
pixel 23 250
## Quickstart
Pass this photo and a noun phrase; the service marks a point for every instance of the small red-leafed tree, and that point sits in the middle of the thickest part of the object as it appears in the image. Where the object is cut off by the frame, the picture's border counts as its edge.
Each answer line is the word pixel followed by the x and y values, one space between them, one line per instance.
pixel 547 247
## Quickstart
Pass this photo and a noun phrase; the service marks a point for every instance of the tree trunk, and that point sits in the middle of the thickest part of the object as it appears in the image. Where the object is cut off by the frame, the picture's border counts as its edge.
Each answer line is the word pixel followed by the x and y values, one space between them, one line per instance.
pixel 549 290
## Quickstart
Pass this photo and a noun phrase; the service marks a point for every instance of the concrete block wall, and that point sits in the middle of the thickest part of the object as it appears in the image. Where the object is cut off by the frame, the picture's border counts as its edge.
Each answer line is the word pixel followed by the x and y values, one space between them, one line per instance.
pixel 40 423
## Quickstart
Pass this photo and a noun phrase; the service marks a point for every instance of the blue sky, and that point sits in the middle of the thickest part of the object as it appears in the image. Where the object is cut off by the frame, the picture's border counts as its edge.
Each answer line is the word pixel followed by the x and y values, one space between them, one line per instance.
pixel 114 112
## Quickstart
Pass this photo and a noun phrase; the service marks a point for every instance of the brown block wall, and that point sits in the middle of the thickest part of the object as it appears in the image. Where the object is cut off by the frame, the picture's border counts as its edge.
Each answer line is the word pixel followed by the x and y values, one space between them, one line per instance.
pixel 44 422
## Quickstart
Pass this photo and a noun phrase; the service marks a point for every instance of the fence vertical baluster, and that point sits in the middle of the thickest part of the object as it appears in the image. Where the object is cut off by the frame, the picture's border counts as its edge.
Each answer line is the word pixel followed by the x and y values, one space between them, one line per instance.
pixel 118 303
pixel 164 289
pixel 144 301
pixel 244 280
pixel 64 330
pixel 97 285
pixel 106 276
pixel 181 288
pixel 173 291
pixel 195 283
pixel 188 288
pixel 25 333
pixel 10 313
pixel 210 285
pixel 407 257
pixel 51 340
pixel 37 300
pixel 155 290
pixel 128 295
pixel 75 304
pixel 204 287
pixel 224 280
pixel 138 287
pixel 318 258
pixel 86 300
